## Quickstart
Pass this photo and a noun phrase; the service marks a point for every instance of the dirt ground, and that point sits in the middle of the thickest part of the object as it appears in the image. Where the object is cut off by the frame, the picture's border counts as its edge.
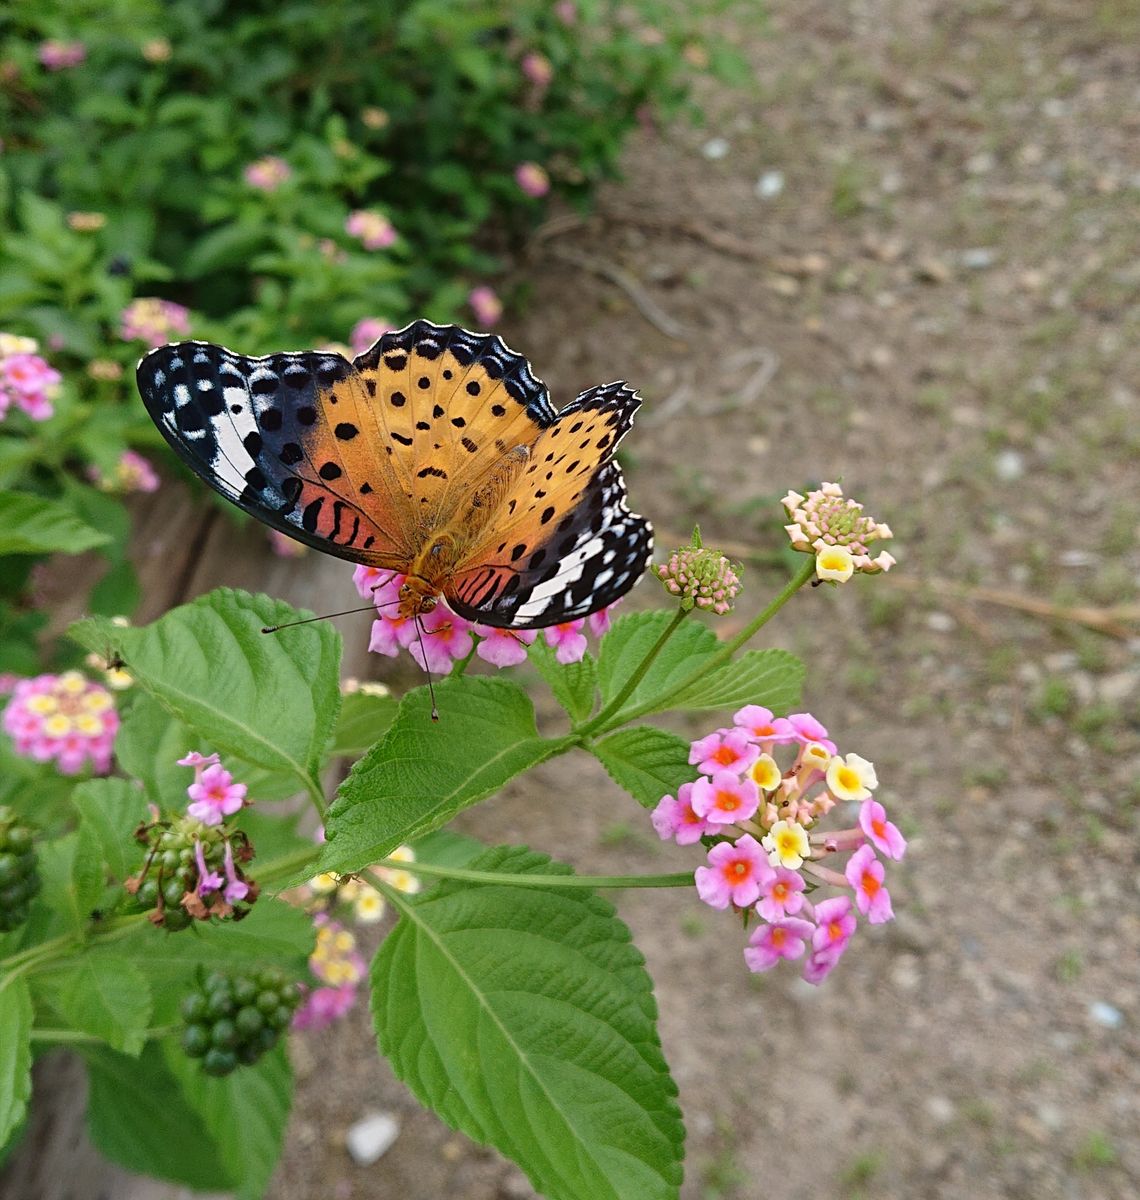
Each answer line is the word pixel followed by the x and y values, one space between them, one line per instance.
pixel 906 257
pixel 944 298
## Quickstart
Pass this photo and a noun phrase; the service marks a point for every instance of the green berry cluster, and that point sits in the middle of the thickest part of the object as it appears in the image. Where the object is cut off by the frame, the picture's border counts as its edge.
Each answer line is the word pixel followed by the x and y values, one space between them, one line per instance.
pixel 167 887
pixel 233 1020
pixel 19 879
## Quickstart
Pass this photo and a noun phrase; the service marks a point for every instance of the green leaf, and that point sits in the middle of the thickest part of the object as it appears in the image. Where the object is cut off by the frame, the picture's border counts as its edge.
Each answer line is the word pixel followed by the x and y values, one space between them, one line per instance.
pixel 362 722
pixel 104 995
pixel 574 684
pixel 773 678
pixel 31 525
pixel 71 868
pixel 138 1116
pixel 15 1054
pixel 423 772
pixel 112 809
pixel 447 849
pixel 632 637
pixel 245 1113
pixel 649 763
pixel 269 699
pixel 525 1017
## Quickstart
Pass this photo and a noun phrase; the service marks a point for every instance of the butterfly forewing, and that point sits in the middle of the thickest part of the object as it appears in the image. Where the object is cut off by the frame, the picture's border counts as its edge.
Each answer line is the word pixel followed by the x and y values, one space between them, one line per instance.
pixel 283 437
pixel 563 543
pixel 452 403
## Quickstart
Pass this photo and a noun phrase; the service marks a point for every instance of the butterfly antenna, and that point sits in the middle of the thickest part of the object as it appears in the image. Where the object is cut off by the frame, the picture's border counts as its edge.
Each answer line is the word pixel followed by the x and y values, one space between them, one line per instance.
pixel 308 620
pixel 423 651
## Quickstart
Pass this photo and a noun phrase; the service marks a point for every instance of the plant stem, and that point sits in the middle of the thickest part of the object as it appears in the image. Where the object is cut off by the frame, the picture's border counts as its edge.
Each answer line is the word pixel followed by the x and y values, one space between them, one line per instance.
pixel 805 573
pixel 287 864
pixel 316 795
pixel 78 1036
pixel 678 879
pixel 631 683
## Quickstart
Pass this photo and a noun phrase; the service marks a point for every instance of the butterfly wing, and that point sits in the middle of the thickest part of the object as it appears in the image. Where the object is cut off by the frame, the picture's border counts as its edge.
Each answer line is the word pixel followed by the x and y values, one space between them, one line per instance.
pixel 562 544
pixel 289 438
pixel 452 403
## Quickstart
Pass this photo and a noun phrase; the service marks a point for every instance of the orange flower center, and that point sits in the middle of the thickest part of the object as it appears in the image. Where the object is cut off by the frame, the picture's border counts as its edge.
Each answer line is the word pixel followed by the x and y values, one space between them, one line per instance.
pixel 780 892
pixel 880 828
pixel 779 937
pixel 727 801
pixel 738 870
pixel 724 755
pixel 870 884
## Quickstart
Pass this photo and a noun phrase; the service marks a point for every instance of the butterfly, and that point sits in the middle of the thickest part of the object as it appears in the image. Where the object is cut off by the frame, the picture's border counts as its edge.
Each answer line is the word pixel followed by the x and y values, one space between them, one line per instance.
pixel 436 454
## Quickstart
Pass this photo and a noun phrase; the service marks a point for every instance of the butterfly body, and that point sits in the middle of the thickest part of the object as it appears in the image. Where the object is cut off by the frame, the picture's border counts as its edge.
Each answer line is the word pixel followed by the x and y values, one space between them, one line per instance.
pixel 436 454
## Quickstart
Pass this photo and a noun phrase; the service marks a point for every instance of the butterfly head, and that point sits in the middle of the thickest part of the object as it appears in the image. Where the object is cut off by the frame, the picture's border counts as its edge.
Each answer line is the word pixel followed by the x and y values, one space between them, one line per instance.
pixel 417 596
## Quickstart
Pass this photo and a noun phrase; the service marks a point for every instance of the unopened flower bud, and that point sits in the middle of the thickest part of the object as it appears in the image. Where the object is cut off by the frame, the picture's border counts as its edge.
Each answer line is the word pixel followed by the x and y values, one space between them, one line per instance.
pixel 702 578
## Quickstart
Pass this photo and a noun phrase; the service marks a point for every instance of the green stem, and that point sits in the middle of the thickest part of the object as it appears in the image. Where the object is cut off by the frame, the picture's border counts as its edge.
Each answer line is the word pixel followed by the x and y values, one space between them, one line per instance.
pixel 678 879
pixel 316 794
pixel 804 575
pixel 35 956
pixel 614 706
pixel 77 1036
pixel 287 864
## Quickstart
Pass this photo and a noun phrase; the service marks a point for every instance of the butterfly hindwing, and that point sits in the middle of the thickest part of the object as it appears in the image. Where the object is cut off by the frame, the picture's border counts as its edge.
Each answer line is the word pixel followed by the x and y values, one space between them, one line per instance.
pixel 281 437
pixel 564 544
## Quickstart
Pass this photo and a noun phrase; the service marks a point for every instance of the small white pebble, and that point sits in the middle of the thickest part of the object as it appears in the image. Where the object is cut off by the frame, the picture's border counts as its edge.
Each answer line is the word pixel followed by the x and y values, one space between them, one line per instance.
pixel 770 185
pixel 1105 1015
pixel 715 148
pixel 371 1137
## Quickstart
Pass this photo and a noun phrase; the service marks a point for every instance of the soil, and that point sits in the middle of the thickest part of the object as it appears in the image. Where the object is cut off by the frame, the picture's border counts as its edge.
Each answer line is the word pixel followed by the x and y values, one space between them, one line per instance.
pixel 940 306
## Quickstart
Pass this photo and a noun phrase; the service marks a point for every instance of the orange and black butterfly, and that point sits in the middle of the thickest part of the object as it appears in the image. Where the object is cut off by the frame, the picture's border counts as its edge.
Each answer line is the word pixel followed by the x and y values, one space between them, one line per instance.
pixel 436 454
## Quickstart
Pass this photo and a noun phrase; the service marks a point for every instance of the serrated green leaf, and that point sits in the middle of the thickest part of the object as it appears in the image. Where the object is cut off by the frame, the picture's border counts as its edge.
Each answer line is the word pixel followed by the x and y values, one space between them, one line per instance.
pixel 649 763
pixel 362 722
pixel 446 848
pixel 71 869
pixel 574 684
pixel 772 678
pixel 32 525
pixel 112 809
pixel 269 699
pixel 245 1113
pixel 423 772
pixel 138 1116
pixel 105 995
pixel 15 1053
pixel 525 1017
pixel 629 641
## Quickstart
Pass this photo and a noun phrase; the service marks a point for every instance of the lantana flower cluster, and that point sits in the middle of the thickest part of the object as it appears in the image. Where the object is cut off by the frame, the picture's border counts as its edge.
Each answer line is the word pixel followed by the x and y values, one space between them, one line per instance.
pixel 26 380
pixel 267 174
pixel 367 331
pixel 767 855
pixel 701 577
pixel 373 229
pixel 446 637
pixel 153 321
pixel 833 528
pixel 132 473
pixel 331 893
pixel 339 969
pixel 193 868
pixel 66 719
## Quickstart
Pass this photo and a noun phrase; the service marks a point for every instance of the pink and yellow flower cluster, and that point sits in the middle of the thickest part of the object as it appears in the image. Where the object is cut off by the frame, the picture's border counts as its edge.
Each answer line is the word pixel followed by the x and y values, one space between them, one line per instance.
pixel 769 855
pixel 833 528
pixel 132 473
pixel 443 637
pixel 26 380
pixel 339 969
pixel 373 229
pixel 63 718
pixel 153 321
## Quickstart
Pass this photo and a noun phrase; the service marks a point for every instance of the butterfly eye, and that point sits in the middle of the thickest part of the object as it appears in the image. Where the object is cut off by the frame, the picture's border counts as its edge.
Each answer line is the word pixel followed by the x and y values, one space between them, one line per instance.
pixel 405 591
pixel 427 603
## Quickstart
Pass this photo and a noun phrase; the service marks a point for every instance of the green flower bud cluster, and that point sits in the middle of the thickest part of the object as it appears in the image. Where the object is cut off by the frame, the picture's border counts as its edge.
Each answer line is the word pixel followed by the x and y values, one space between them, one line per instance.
pixel 19 879
pixel 232 1020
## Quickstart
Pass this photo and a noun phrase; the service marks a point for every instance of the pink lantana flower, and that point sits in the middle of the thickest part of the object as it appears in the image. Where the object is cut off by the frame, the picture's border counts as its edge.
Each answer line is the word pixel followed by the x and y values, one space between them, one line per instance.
pixel 486 306
pixel 882 834
pixel 567 640
pixel 725 798
pixel 760 725
pixel 208 881
pixel 371 581
pixel 809 730
pixel 373 229
pixel 215 796
pixel 503 647
pixel 532 179
pixel 65 719
pixel 724 750
pixel 27 381
pixel 284 546
pixel 236 889
pixel 267 174
pixel 196 759
pixel 445 638
pixel 735 873
pixel 674 818
pixel 132 473
pixel 58 55
pixel 835 923
pixel 599 623
pixel 864 873
pixel 781 939
pixel 367 331
pixel 153 321
pixel 537 68
pixel 781 893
